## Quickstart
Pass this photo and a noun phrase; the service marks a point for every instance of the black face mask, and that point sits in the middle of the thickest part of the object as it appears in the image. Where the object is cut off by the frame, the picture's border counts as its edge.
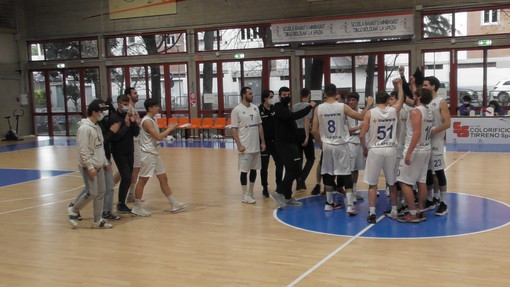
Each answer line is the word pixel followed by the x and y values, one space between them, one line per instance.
pixel 285 100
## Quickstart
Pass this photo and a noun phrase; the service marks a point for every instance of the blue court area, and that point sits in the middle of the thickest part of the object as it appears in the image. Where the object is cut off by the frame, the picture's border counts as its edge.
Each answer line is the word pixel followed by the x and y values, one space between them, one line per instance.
pixel 466 214
pixel 20 145
pixel 478 147
pixel 14 176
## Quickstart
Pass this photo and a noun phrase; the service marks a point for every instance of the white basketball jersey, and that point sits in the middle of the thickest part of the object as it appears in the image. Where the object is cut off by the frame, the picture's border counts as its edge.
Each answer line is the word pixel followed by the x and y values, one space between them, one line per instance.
pixel 401 127
pixel 147 143
pixel 351 123
pixel 383 127
pixel 436 115
pixel 332 123
pixel 426 128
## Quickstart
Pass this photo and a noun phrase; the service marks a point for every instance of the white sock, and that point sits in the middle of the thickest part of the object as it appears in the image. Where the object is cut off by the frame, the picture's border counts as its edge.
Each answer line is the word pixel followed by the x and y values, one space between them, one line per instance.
pixel 354 187
pixel 138 202
pixel 245 189
pixel 371 210
pixel 350 198
pixel 250 188
pixel 172 199
pixel 394 209
pixel 329 197
pixel 430 194
pixel 443 197
pixel 413 212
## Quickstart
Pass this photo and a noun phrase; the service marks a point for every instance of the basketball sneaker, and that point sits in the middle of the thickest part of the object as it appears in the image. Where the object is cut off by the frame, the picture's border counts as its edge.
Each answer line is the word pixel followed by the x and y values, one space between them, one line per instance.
pixel 332 206
pixel 390 214
pixel 138 210
pixel 79 215
pixel 248 199
pixel 293 202
pixel 408 218
pixel 73 217
pixel 123 208
pixel 442 209
pixel 351 211
pixel 110 215
pixel 181 205
pixel 429 204
pixel 421 216
pixel 372 219
pixel 101 224
pixel 316 190
pixel 278 198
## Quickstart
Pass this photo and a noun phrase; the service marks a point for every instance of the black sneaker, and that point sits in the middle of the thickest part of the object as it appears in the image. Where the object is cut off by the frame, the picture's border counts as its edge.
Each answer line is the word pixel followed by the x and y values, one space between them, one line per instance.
pixel 78 217
pixel 122 208
pixel 371 219
pixel 316 190
pixel 110 215
pixel 403 210
pixel 436 201
pixel 429 204
pixel 300 184
pixel 442 209
pixel 265 192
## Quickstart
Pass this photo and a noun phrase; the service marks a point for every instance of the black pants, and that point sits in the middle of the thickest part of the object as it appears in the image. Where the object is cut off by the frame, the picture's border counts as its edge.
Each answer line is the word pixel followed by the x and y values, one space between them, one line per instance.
pixel 309 152
pixel 289 153
pixel 264 156
pixel 124 162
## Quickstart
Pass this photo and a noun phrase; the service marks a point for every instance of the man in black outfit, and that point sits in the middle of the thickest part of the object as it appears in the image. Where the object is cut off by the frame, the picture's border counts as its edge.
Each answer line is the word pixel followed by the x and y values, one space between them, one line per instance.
pixel 266 114
pixel 286 140
pixel 122 148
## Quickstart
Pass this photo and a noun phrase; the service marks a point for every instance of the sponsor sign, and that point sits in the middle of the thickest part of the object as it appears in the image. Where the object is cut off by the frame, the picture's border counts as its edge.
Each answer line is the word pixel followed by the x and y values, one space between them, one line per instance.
pixel 479 130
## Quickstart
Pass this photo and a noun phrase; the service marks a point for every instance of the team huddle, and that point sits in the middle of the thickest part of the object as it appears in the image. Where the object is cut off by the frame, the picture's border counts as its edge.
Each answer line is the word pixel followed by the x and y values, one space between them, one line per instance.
pixel 403 136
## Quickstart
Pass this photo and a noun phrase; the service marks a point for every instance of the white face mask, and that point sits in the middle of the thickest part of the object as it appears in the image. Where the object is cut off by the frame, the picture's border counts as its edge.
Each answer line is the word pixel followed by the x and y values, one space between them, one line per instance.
pixel 273 100
pixel 125 109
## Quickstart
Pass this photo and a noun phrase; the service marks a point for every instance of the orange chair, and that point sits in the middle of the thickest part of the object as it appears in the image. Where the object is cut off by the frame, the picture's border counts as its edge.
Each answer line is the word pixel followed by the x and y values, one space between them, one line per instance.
pixel 207 124
pixel 162 123
pixel 173 121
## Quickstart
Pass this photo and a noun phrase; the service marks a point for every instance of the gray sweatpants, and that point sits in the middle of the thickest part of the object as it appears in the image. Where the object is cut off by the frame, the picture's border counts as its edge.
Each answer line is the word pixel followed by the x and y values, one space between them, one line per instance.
pixel 95 188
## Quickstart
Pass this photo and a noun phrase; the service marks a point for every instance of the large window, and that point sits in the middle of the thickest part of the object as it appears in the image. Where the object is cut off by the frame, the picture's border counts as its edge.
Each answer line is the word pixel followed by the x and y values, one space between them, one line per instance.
pixel 60 97
pixel 63 49
pixel 252 37
pixel 466 23
pixel 146 44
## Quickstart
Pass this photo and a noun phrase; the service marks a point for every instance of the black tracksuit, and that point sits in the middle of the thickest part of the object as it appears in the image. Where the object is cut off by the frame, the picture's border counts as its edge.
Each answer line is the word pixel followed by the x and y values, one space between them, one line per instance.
pixel 286 139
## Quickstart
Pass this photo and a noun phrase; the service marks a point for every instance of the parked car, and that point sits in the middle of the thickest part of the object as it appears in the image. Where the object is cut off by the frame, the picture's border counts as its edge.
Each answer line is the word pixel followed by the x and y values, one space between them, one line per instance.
pixel 501 92
pixel 444 92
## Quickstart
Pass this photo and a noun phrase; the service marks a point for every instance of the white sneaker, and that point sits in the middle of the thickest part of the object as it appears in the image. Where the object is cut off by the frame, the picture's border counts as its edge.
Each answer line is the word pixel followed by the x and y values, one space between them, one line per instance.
pixel 138 210
pixel 278 198
pixel 351 211
pixel 248 199
pixel 293 202
pixel 179 206
pixel 73 217
pixel 101 224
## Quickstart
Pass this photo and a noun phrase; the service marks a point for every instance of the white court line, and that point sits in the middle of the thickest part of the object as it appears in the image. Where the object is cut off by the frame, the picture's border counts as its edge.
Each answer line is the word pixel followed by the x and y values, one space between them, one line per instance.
pixel 35 206
pixel 333 253
pixel 351 240
pixel 40 196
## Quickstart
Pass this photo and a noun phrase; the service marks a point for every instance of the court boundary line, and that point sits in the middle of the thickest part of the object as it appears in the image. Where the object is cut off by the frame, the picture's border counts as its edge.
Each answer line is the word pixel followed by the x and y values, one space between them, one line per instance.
pixel 330 255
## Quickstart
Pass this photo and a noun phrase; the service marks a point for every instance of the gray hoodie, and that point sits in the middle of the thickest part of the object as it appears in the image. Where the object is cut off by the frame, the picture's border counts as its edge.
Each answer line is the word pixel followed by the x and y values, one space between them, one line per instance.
pixel 89 139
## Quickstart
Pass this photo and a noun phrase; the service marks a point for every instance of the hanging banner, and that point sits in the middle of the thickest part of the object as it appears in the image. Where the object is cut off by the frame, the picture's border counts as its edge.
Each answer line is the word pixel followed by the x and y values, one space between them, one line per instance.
pixel 386 25
pixel 121 9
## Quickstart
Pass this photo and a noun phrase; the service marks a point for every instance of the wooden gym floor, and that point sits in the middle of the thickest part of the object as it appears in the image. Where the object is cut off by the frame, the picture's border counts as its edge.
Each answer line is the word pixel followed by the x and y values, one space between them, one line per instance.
pixel 219 241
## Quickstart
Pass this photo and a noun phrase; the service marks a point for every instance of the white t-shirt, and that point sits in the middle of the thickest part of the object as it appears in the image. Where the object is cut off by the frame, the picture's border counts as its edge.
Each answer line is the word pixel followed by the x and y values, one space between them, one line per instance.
pixel 247 121
pixel 332 123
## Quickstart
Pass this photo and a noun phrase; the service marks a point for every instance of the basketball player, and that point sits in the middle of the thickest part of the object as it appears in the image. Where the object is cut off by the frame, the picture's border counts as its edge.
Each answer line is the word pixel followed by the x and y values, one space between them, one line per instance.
pixel 249 137
pixel 151 163
pixel 331 134
pixel 442 122
pixel 381 123
pixel 413 167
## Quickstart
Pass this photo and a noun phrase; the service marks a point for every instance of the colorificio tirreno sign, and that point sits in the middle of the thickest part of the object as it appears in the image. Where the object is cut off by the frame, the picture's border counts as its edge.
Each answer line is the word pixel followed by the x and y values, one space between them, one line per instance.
pixel 345 28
